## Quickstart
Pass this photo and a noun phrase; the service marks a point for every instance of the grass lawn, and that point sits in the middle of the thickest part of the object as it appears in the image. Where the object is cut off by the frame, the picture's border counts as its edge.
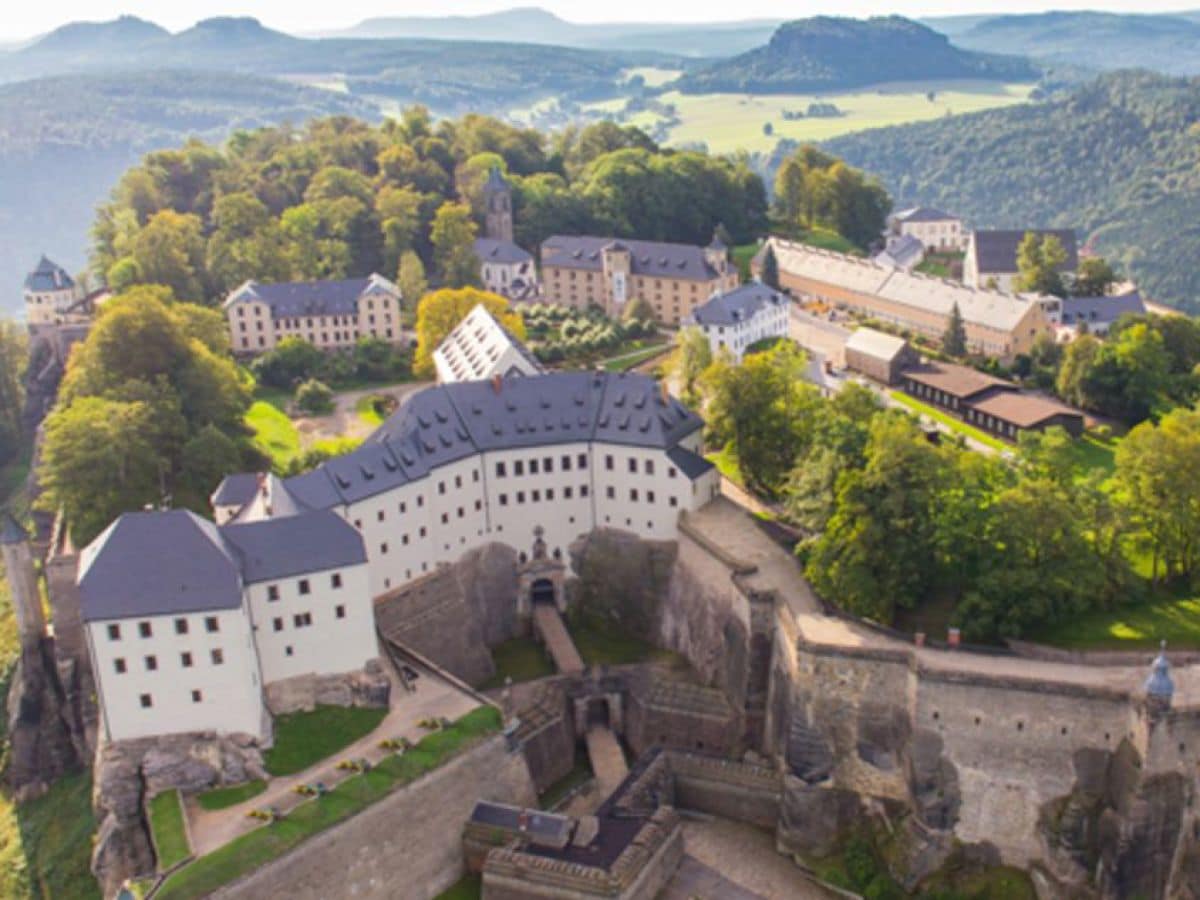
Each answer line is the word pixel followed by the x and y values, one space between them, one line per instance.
pixel 304 738
pixel 741 255
pixel 602 645
pixel 730 122
pixel 522 659
pixel 824 239
pixel 1135 627
pixel 953 423
pixel 629 360
pixel 469 887
pixel 166 824
pixel 224 797
pixel 254 849
pixel 368 411
pixel 46 844
pixel 274 433
pixel 1092 452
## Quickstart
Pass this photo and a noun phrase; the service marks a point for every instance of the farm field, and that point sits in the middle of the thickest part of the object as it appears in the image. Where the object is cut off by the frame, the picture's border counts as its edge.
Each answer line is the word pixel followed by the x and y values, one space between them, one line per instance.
pixel 729 122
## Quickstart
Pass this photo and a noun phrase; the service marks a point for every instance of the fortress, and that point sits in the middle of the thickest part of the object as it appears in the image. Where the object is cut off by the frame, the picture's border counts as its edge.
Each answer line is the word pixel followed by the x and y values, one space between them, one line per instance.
pixel 485 510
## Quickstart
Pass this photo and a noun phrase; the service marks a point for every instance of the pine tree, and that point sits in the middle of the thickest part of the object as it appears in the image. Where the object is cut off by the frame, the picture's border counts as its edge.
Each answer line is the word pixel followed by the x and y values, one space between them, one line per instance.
pixel 770 269
pixel 954 341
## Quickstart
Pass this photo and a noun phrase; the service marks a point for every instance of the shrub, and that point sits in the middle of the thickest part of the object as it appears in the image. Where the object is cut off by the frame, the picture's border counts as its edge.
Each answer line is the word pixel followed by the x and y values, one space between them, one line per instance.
pixel 314 397
pixel 292 360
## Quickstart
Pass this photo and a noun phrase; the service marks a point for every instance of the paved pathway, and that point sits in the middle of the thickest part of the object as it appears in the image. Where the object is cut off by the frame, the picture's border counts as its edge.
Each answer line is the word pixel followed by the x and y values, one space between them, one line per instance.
pixel 431 698
pixel 607 759
pixel 548 621
pixel 729 861
pixel 344 421
pixel 729 526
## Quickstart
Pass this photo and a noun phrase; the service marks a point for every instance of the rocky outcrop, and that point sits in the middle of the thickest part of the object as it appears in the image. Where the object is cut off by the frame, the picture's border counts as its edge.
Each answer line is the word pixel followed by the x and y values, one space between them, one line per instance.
pixel 370 687
pixel 814 818
pixel 128 773
pixel 46 737
pixel 621 579
pixel 933 782
pixel 487 577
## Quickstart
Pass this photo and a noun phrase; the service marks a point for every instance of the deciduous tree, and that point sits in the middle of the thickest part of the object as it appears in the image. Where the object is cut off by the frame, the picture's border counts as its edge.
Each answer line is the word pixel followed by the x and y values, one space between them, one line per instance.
pixel 453 237
pixel 439 312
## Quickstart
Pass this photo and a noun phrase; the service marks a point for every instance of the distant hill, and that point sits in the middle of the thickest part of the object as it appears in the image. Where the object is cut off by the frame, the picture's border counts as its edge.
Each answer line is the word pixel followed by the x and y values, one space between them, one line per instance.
pixel 449 76
pixel 67 140
pixel 1097 40
pixel 1118 159
pixel 533 25
pixel 826 53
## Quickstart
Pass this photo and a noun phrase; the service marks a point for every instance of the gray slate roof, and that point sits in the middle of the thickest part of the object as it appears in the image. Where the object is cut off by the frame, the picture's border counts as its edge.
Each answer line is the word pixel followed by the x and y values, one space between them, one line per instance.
pixel 291 299
pixel 498 251
pixel 235 490
pixel 448 422
pixel 922 214
pixel 11 531
pixel 48 276
pixel 692 465
pixel 1101 309
pixel 996 251
pixel 157 563
pixel 650 258
pixel 174 562
pixel 737 305
pixel 901 252
pixel 495 180
pixel 293 545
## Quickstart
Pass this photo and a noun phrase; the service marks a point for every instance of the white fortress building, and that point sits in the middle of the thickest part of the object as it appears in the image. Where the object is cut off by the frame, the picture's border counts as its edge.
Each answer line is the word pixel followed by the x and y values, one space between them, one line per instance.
pixel 330 315
pixel 480 348
pixel 735 320
pixel 189 624
pixel 466 464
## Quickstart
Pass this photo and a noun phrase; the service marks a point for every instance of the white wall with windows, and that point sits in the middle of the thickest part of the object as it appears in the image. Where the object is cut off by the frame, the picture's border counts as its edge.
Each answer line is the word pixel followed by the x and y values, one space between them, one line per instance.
pixel 177 673
pixel 768 321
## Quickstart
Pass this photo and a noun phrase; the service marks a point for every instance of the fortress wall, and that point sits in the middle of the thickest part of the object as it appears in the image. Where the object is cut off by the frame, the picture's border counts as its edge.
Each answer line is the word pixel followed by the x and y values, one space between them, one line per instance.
pixel 408 844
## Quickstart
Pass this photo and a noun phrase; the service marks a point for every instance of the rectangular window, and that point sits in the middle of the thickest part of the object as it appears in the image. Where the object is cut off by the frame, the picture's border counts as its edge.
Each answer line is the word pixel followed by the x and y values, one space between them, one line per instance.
pixel 537 496
pixel 383 548
pixel 119 665
pixel 649 467
pixel 114 632
pixel 181 626
pixel 583 490
pixel 548 465
pixel 458 481
pixel 287 651
pixel 608 462
pixel 649 496
pixel 218 657
pixel 520 496
pixel 272 592
pixel 670 471
pixel 197 696
pixel 533 467
pixel 674 502
pixel 566 462
pixel 302 620
pixel 632 464
pixel 335 580
pixel 185 660
pixel 500 473
pixel 379 516
pixel 146 700
pixel 611 492
pixel 518 467
pixel 633 494
pixel 445 518
pixel 304 589
pixel 211 625
pixel 339 611
pixel 581 459
pixel 568 492
pixel 277 623
pixel 441 487
pixel 549 494
pixel 151 663
pixel 145 629
pixel 504 499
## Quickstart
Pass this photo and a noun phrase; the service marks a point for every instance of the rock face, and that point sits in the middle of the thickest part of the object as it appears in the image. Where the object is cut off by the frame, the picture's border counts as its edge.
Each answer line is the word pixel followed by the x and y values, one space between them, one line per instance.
pixel 45 735
pixel 370 687
pixel 129 773
pixel 622 579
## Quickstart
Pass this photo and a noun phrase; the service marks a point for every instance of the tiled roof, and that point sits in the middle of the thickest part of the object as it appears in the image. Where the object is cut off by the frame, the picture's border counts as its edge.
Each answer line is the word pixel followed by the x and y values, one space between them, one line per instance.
pixel 996 250
pixel 922 214
pixel 692 465
pixel 235 490
pixel 1022 410
pixel 901 252
pixel 498 251
pixel 449 422
pixel 991 309
pixel 291 299
pixel 157 563
pixel 958 381
pixel 48 276
pixel 876 343
pixel 737 305
pixel 649 258
pixel 1101 309
pixel 292 545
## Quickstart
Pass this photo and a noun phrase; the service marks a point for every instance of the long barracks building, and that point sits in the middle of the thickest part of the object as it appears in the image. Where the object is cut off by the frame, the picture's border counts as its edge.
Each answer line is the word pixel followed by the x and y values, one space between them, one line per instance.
pixel 460 465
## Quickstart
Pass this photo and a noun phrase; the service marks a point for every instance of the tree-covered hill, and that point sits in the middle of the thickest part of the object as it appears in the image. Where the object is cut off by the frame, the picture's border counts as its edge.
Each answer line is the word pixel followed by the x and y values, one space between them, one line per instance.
pixel 1093 40
pixel 65 140
pixel 1118 159
pixel 826 53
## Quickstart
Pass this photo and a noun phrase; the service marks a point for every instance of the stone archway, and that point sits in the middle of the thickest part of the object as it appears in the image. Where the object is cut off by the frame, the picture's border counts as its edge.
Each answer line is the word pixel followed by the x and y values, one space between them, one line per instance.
pixel 543 591
pixel 540 579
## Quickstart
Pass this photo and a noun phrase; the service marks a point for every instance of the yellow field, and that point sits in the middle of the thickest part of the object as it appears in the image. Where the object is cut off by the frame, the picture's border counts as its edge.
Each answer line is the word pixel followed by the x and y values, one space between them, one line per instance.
pixel 728 122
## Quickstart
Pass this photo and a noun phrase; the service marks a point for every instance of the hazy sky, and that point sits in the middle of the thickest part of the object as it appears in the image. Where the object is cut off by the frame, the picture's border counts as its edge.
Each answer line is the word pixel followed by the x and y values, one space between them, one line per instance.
pixel 27 19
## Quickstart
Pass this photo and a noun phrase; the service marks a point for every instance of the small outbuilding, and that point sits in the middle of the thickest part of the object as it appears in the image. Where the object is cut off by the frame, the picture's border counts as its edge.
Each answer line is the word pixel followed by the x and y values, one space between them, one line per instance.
pixel 878 355
pixel 1008 413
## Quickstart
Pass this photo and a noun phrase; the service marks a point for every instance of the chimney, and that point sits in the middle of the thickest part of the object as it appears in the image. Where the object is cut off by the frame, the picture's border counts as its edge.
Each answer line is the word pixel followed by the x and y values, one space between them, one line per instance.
pixel 666 393
pixel 497 383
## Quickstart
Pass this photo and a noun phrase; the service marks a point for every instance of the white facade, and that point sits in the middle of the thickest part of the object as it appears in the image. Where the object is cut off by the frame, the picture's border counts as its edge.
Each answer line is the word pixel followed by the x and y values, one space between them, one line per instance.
pixel 152 678
pixel 735 321
pixel 934 229
pixel 479 348
pixel 49 293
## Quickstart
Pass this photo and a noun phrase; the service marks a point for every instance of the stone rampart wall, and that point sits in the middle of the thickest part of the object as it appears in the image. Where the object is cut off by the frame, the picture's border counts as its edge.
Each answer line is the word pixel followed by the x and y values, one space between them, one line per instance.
pixel 406 845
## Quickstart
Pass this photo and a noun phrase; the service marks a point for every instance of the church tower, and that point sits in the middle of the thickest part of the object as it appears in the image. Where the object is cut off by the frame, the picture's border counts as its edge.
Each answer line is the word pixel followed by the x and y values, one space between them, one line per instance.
pixel 22 581
pixel 497 206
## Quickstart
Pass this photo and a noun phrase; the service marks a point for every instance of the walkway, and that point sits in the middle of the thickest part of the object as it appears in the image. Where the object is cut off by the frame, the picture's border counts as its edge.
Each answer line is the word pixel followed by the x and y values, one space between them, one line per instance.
pixel 729 526
pixel 607 759
pixel 431 698
pixel 549 624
